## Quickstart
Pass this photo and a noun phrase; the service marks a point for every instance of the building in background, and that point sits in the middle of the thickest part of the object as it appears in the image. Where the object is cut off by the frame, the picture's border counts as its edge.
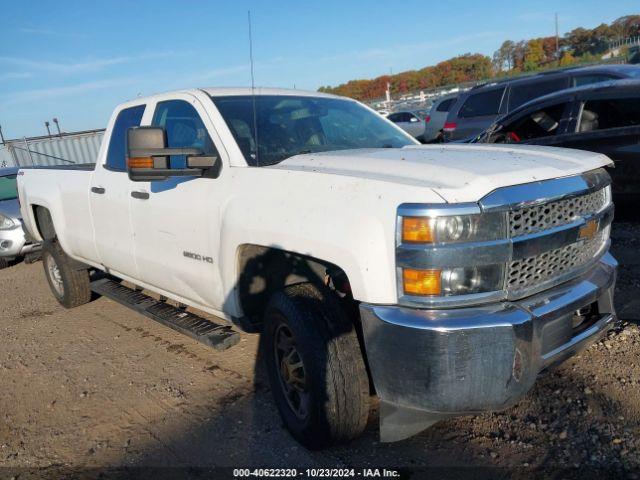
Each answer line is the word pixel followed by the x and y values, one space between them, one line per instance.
pixel 62 149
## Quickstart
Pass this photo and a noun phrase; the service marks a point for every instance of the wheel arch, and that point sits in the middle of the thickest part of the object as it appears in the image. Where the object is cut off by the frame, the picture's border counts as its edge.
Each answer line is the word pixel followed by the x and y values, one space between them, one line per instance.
pixel 262 271
pixel 43 222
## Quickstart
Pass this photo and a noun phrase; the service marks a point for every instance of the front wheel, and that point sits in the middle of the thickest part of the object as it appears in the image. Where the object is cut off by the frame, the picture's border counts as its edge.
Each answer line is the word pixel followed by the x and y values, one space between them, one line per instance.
pixel 70 286
pixel 316 370
pixel 4 263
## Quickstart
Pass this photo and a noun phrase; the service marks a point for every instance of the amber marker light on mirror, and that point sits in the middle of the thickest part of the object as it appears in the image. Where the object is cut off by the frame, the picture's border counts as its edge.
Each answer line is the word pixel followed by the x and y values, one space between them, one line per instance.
pixel 421 282
pixel 140 162
pixel 417 230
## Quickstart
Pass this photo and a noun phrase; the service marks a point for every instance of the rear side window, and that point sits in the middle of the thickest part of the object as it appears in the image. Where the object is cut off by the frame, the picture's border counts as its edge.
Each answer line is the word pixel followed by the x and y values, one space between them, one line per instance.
pixel 127 118
pixel 184 129
pixel 445 105
pixel 394 117
pixel 400 117
pixel 521 94
pixel 609 113
pixel 482 103
pixel 587 79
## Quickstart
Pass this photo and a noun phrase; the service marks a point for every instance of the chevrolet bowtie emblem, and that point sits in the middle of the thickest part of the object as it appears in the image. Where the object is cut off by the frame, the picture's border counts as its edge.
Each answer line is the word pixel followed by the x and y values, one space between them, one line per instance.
pixel 588 230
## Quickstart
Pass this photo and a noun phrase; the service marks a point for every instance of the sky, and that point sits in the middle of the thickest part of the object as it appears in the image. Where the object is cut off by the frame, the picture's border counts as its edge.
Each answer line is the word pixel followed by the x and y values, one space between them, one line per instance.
pixel 77 60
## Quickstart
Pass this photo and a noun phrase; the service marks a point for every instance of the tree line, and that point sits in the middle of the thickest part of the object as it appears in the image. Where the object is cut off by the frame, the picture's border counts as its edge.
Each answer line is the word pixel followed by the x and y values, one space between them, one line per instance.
pixel 580 45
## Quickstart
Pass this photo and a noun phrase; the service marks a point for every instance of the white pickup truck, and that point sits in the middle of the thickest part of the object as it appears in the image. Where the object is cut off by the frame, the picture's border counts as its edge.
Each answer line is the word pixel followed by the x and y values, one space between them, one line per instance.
pixel 442 279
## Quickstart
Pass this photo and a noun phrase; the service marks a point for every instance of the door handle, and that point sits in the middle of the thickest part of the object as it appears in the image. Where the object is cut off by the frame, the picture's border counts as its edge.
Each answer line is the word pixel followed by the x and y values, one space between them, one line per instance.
pixel 140 195
pixel 98 190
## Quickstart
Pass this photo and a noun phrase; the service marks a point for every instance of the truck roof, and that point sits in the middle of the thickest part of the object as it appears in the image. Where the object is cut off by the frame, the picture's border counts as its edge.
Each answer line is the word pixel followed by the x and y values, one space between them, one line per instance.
pixel 227 92
pixel 233 91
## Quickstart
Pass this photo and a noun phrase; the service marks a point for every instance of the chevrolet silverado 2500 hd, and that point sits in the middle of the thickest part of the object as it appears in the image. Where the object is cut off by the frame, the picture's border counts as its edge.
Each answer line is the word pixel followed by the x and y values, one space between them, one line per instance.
pixel 441 278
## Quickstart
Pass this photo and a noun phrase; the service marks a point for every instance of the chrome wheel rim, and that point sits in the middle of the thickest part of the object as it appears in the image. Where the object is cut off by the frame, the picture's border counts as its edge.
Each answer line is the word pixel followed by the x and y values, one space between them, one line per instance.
pixel 54 275
pixel 291 372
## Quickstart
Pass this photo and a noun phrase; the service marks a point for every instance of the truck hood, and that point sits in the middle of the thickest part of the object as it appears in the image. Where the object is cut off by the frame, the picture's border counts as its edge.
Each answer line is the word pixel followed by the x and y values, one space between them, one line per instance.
pixel 457 173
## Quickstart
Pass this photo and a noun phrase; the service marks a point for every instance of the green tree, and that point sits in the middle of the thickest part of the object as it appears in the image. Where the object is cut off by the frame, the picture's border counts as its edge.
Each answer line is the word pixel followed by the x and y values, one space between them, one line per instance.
pixel 534 54
pixel 503 57
pixel 567 59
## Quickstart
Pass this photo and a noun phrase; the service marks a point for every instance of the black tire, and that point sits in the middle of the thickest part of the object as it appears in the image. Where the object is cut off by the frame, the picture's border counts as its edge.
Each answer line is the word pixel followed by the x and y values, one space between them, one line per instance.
pixel 336 396
pixel 4 263
pixel 69 285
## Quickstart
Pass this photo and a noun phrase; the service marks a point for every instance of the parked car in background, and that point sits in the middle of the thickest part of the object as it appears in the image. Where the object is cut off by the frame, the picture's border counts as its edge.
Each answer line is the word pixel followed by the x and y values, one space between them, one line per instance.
pixel 413 122
pixel 436 118
pixel 479 107
pixel 13 243
pixel 603 118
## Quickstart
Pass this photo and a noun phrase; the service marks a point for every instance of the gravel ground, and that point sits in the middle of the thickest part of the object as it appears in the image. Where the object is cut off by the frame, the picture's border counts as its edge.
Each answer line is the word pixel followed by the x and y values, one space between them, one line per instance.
pixel 100 386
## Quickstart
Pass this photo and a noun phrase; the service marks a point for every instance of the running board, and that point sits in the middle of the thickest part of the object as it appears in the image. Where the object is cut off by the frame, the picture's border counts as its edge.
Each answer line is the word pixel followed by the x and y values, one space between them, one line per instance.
pixel 211 334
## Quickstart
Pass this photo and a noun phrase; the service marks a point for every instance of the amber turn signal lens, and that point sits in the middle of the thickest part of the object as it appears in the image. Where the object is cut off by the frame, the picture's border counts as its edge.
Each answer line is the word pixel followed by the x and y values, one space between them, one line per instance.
pixel 417 230
pixel 421 282
pixel 140 162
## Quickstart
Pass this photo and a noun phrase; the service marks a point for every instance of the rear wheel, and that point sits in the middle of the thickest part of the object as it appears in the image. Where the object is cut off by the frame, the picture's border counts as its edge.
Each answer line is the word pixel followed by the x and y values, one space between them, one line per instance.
pixel 316 370
pixel 70 286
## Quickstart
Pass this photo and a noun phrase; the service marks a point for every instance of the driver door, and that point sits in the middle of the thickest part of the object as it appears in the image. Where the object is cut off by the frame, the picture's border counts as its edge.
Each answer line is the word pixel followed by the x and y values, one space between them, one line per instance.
pixel 176 221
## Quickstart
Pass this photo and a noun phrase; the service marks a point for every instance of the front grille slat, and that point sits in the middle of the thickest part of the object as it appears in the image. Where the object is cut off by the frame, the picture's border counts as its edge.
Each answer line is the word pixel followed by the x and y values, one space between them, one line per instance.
pixel 527 273
pixel 544 216
pixel 531 271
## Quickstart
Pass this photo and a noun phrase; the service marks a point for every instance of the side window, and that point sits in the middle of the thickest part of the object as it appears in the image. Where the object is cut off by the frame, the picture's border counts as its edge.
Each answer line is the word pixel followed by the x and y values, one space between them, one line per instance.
pixel 184 128
pixel 542 122
pixel 521 94
pixel 394 117
pixel 127 118
pixel 445 105
pixel 609 113
pixel 483 103
pixel 587 79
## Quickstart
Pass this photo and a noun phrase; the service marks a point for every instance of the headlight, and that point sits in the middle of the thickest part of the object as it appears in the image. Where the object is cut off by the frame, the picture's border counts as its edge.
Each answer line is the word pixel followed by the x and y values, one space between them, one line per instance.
pixel 468 280
pixel 453 281
pixel 454 228
pixel 7 223
pixel 435 245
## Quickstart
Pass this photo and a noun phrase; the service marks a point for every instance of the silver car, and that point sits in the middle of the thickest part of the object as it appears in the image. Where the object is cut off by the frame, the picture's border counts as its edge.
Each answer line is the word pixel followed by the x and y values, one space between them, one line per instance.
pixel 437 116
pixel 13 243
pixel 413 122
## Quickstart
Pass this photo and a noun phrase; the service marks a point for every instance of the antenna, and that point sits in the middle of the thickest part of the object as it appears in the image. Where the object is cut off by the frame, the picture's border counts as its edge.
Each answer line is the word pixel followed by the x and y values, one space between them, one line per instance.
pixel 253 92
pixel 557 41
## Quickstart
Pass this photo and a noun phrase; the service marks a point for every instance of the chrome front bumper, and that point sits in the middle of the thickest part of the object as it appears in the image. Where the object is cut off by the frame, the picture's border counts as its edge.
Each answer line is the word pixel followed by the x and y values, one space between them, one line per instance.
pixel 431 364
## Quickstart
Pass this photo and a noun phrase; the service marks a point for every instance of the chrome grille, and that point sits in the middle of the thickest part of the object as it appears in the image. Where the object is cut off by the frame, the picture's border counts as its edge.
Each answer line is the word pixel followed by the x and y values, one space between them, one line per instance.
pixel 548 215
pixel 531 271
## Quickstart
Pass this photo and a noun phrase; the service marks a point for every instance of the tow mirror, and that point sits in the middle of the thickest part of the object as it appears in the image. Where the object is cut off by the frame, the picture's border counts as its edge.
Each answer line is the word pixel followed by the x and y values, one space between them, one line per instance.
pixel 148 157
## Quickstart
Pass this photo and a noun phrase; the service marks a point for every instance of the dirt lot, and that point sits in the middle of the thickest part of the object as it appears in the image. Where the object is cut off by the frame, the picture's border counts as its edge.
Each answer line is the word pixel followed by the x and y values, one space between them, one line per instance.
pixel 101 386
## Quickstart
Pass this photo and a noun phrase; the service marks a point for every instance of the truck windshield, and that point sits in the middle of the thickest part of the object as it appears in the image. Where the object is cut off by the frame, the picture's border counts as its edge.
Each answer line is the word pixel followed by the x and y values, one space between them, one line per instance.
pixel 292 125
pixel 8 189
